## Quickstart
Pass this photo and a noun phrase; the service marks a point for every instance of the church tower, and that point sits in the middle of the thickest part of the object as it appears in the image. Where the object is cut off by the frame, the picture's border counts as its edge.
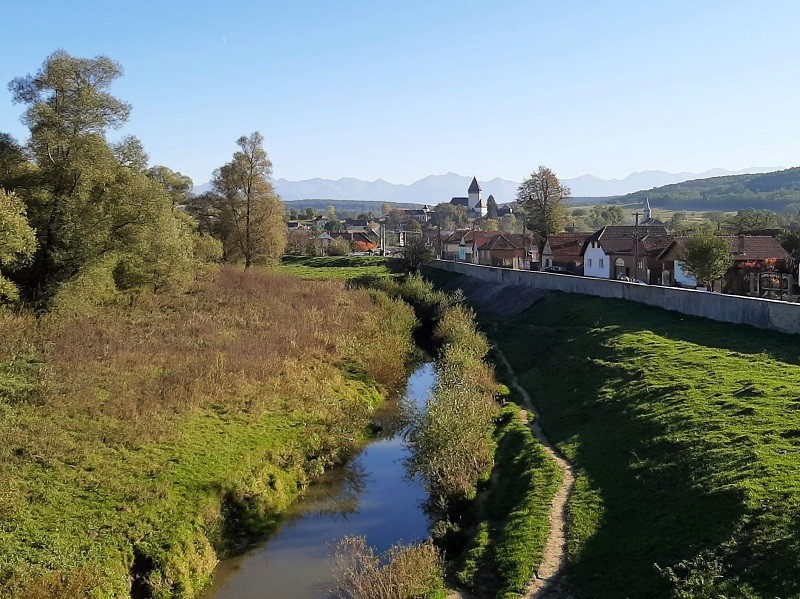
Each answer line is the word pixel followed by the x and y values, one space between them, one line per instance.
pixel 648 212
pixel 475 203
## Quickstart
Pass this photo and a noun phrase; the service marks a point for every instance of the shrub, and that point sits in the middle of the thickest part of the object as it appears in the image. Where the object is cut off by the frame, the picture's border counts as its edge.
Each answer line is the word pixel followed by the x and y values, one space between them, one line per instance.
pixel 338 247
pixel 403 572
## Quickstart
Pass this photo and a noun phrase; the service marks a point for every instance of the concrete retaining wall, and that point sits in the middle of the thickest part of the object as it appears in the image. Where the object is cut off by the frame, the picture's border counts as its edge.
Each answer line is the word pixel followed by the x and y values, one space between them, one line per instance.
pixel 761 313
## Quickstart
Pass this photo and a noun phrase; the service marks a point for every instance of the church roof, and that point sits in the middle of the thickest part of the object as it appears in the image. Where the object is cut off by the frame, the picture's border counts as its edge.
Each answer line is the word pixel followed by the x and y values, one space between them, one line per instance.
pixel 460 201
pixel 474 187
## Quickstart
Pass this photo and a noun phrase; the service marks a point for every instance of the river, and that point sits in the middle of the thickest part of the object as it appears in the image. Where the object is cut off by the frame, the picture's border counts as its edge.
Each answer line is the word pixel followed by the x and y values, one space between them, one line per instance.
pixel 371 495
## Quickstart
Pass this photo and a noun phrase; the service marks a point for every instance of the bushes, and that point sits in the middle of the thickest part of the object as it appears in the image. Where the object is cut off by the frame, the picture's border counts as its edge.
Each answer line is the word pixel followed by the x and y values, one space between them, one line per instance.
pixel 452 440
pixel 403 572
pixel 338 247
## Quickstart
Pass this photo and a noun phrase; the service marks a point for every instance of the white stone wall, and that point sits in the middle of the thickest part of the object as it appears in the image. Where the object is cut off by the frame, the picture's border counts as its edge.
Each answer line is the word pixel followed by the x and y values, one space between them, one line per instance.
pixel 758 312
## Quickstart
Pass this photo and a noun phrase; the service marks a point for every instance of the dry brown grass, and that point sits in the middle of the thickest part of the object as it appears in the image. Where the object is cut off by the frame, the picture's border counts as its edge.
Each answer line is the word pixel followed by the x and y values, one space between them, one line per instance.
pixel 237 344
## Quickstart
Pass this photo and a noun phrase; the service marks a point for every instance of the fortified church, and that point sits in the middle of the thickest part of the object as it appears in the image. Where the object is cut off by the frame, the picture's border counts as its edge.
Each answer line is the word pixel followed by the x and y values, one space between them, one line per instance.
pixel 474 203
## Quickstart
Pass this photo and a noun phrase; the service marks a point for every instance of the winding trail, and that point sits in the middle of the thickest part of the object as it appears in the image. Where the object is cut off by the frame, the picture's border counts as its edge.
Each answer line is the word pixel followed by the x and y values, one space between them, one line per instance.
pixel 548 580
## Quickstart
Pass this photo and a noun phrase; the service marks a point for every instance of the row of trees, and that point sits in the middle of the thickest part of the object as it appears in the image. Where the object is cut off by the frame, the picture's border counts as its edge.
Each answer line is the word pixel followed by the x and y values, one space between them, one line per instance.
pixel 75 205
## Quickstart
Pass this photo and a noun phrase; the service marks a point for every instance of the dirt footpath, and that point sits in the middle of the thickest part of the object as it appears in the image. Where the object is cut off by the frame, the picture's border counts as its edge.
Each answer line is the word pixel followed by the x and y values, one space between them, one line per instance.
pixel 548 581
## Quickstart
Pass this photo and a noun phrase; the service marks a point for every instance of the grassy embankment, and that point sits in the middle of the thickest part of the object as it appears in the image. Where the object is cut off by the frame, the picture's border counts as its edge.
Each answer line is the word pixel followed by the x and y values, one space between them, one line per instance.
pixel 146 440
pixel 495 539
pixel 685 435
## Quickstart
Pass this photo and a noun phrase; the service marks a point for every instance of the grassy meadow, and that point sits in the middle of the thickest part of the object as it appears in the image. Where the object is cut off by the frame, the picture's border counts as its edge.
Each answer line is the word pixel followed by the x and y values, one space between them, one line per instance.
pixel 686 436
pixel 335 267
pixel 150 436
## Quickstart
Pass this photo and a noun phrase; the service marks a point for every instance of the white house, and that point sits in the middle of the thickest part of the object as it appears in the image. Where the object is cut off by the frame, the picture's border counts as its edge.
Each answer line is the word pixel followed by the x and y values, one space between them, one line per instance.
pixel 596 263
pixel 474 203
pixel 618 251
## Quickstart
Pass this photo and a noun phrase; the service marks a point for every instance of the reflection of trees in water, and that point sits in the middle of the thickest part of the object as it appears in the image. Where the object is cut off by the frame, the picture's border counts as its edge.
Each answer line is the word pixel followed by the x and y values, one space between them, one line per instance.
pixel 336 494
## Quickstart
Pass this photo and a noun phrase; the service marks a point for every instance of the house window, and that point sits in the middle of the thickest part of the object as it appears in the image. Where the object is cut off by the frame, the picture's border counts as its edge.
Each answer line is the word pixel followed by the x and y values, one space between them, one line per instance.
pixel 641 264
pixel 590 262
pixel 601 263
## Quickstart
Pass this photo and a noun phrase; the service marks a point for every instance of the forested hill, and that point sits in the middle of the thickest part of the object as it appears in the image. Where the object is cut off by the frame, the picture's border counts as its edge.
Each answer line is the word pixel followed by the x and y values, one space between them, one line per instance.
pixel 767 191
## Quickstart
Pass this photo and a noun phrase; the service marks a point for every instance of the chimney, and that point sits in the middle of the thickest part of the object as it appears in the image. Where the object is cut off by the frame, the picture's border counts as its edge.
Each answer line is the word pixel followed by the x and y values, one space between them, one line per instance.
pixel 741 245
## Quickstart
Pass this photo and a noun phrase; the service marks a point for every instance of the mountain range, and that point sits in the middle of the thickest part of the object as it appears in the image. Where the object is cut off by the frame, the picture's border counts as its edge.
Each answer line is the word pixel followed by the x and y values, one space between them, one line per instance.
pixel 436 189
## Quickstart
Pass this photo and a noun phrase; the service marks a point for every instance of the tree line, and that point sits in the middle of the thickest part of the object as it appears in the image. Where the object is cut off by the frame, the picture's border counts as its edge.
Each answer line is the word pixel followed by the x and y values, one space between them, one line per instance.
pixel 76 206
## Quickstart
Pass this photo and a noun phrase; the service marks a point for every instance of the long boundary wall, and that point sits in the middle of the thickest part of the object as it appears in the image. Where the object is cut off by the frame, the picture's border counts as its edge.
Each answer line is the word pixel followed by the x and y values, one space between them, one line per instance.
pixel 761 313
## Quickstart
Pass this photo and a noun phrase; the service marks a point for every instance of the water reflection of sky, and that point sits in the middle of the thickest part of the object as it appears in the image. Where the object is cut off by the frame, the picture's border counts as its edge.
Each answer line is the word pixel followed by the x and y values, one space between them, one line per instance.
pixel 371 496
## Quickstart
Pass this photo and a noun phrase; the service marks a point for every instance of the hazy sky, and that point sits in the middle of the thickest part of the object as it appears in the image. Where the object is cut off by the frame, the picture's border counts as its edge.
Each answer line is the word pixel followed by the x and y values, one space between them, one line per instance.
pixel 401 90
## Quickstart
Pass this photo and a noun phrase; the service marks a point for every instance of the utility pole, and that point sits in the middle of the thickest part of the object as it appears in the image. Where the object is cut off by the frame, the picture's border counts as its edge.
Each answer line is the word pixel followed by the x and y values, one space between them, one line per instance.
pixel 636 248
pixel 525 247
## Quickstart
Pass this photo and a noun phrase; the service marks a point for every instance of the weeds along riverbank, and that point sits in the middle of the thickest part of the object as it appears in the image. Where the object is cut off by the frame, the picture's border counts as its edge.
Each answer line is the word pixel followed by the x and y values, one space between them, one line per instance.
pixel 143 439
pixel 490 481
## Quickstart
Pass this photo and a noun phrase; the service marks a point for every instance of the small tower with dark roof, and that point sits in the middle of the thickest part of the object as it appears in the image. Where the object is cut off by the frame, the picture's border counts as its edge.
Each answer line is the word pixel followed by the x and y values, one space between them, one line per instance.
pixel 475 202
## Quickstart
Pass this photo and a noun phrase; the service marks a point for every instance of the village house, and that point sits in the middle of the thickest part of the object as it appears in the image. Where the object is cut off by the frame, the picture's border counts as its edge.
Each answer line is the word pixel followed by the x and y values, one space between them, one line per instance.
pixel 757 260
pixel 510 250
pixel 492 248
pixel 474 203
pixel 565 250
pixel 365 239
pixel 624 251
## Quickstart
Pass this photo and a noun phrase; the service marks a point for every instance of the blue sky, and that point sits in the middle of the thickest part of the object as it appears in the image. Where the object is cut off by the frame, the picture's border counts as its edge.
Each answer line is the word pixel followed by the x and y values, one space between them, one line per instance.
pixel 401 90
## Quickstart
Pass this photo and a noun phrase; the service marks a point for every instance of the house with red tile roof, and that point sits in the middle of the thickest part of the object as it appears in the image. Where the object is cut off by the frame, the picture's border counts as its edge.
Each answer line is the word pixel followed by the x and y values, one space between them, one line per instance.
pixel 492 248
pixel 565 250
pixel 752 255
pixel 622 251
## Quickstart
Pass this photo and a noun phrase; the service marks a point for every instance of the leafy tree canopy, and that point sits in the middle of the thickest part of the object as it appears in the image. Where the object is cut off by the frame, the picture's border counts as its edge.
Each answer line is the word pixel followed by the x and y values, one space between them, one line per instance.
pixel 706 257
pixel 541 197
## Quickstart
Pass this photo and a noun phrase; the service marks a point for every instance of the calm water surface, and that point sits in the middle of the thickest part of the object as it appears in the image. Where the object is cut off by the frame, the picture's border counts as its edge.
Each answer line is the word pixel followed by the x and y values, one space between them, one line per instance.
pixel 371 495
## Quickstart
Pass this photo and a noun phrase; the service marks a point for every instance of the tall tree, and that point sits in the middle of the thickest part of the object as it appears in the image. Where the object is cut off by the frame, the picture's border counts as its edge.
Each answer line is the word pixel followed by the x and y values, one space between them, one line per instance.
pixel 252 214
pixel 706 257
pixel 491 207
pixel 541 197
pixel 91 202
pixel 69 110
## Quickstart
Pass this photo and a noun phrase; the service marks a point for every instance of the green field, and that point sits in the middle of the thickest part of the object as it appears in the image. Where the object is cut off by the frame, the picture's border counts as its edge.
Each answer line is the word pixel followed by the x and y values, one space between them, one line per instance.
pixel 335 267
pixel 686 436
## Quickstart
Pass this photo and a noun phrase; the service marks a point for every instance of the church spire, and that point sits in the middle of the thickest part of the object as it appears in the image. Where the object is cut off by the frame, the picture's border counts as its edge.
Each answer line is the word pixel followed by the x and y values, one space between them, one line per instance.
pixel 648 212
pixel 474 187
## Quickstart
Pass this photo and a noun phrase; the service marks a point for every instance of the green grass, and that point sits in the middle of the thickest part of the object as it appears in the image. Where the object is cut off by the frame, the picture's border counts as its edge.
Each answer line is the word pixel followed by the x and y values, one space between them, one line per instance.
pixel 686 436
pixel 509 541
pixel 335 267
